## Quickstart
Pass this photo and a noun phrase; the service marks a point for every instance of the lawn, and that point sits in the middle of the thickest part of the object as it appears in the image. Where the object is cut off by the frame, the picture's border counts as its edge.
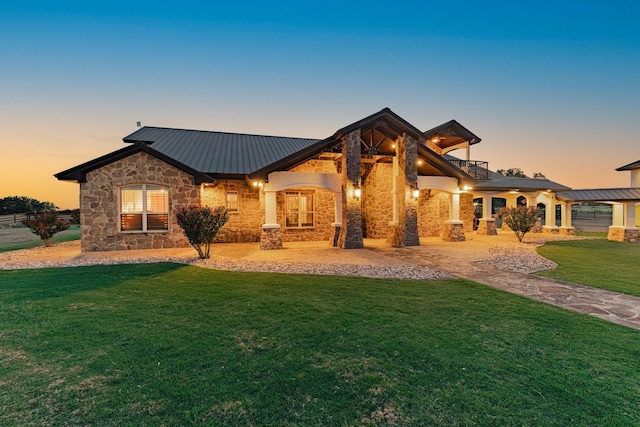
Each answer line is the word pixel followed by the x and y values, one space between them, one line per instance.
pixel 599 263
pixel 165 344
pixel 22 238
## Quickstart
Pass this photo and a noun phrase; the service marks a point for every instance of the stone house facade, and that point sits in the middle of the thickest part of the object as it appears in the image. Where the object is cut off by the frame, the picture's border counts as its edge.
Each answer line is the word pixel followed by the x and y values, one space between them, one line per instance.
pixel 378 178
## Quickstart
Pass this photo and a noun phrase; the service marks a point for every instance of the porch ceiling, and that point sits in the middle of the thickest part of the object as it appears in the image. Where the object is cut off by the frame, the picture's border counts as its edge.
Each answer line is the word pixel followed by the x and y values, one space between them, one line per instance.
pixel 450 134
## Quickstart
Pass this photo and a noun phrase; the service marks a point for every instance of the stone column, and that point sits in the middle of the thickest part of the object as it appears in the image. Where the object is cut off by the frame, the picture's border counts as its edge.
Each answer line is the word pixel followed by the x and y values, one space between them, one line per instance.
pixel 624 220
pixel 565 219
pixel 454 227
pixel 487 224
pixel 271 237
pixel 405 231
pixel 351 230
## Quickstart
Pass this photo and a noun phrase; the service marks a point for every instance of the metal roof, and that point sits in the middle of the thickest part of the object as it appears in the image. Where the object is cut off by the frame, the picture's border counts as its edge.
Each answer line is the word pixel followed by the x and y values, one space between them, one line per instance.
pixel 601 195
pixel 451 134
pixel 630 166
pixel 219 152
pixel 497 182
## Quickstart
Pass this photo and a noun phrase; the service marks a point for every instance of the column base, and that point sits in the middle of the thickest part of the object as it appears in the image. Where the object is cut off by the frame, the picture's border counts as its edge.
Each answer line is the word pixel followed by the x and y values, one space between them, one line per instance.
pixel 271 237
pixel 394 235
pixel 453 231
pixel 336 234
pixel 624 234
pixel 550 229
pixel 567 231
pixel 487 227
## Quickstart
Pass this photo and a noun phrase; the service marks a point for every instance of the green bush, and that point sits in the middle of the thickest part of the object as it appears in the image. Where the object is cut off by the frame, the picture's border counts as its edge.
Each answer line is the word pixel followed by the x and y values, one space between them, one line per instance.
pixel 45 225
pixel 520 219
pixel 201 225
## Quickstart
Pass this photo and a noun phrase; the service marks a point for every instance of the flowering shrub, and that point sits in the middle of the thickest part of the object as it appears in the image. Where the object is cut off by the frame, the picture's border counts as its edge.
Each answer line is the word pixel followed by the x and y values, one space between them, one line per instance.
pixel 520 219
pixel 45 225
pixel 201 224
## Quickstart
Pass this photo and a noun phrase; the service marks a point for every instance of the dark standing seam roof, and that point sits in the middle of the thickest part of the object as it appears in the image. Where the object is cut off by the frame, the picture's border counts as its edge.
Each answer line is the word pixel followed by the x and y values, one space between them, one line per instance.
pixel 220 152
pixel 601 195
pixel 630 166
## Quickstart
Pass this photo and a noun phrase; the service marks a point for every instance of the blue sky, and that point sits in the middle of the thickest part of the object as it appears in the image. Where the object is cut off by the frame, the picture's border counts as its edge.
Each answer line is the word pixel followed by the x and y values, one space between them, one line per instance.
pixel 551 87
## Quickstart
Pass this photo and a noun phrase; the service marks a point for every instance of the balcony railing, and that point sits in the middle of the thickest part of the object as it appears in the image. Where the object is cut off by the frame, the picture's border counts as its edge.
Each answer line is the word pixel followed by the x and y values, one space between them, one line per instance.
pixel 476 168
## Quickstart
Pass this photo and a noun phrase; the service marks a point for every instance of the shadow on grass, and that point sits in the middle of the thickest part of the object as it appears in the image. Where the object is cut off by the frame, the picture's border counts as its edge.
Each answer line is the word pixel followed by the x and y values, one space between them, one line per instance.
pixel 40 284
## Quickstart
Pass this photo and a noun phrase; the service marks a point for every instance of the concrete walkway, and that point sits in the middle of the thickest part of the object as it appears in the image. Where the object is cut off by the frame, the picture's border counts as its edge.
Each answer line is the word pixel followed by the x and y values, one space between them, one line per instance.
pixel 614 307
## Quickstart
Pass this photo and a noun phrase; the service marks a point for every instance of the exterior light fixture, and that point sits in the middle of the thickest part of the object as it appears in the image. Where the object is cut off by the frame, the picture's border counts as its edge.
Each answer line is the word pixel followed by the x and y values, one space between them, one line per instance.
pixel 357 192
pixel 419 161
pixel 435 139
pixel 415 191
pixel 466 187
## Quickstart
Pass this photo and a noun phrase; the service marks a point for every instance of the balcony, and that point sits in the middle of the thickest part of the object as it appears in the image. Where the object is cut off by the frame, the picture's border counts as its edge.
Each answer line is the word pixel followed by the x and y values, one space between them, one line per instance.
pixel 476 168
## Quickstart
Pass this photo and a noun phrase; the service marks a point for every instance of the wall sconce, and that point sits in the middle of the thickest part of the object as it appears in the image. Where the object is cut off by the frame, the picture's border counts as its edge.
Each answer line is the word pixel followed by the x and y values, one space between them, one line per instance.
pixel 357 192
pixel 257 184
pixel 415 191
pixel 466 187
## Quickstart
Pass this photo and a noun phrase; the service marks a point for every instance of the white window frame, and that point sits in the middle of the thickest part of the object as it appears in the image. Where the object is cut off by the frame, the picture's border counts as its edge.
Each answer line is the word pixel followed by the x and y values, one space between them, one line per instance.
pixel 300 212
pixel 230 202
pixel 145 208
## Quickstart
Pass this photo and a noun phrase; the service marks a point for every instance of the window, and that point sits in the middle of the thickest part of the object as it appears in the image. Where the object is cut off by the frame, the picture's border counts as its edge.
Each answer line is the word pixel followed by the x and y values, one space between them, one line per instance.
pixel 144 208
pixel 299 206
pixel 232 201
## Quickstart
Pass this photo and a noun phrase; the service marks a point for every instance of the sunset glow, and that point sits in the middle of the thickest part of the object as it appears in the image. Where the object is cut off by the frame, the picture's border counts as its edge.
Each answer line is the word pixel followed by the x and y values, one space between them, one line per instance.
pixel 543 90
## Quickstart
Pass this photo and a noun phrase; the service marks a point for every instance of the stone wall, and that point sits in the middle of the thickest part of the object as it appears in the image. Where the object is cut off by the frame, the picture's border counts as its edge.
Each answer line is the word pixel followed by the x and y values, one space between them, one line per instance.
pixel 324 208
pixel 433 211
pixel 99 204
pixel 377 201
pixel 245 225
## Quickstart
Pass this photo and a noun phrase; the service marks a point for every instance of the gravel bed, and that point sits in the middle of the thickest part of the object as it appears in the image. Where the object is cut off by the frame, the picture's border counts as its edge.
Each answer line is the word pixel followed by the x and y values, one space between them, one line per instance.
pixel 512 256
pixel 21 259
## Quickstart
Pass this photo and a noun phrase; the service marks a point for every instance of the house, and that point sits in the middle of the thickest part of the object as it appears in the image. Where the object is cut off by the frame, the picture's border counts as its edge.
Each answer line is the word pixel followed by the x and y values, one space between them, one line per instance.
pixel 379 177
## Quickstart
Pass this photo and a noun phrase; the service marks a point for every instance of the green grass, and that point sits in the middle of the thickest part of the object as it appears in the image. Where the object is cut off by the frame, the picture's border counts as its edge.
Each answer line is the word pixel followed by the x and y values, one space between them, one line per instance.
pixel 599 263
pixel 163 344
pixel 12 239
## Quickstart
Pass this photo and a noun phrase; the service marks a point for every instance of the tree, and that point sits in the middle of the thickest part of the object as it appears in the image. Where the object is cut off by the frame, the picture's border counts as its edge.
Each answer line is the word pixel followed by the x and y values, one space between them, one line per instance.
pixel 14 205
pixel 520 219
pixel 201 225
pixel 512 172
pixel 45 225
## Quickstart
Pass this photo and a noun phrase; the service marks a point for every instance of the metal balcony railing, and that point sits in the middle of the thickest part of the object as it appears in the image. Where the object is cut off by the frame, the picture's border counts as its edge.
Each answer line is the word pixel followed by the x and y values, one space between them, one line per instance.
pixel 476 168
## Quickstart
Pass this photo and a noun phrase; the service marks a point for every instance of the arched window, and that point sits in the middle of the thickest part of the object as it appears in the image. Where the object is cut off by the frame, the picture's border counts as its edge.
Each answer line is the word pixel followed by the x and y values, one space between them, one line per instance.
pixel 144 207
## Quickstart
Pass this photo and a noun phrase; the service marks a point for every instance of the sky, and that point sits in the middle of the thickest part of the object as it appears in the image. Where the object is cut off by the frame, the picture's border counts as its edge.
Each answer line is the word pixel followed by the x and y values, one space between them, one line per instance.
pixel 549 86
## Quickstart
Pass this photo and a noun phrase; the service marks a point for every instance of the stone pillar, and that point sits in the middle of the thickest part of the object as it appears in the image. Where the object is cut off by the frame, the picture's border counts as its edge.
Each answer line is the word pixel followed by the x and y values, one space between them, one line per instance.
pixel 405 230
pixel 271 237
pixel 454 227
pixel 351 230
pixel 565 219
pixel 487 224
pixel 624 220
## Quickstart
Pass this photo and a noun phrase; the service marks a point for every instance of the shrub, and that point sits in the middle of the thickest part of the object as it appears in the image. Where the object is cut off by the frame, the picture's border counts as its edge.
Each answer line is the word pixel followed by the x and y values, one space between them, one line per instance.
pixel 520 219
pixel 201 225
pixel 45 225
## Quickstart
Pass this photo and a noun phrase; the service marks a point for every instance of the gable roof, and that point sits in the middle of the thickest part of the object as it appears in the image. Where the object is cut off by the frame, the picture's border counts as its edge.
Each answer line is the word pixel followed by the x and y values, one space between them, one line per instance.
pixel 79 173
pixel 630 166
pixel 220 153
pixel 385 120
pixel 450 134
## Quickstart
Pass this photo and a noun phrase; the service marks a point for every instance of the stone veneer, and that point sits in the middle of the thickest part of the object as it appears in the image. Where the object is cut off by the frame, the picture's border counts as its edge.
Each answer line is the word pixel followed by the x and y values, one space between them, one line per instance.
pixel 623 234
pixel 453 231
pixel 100 196
pixel 351 230
pixel 377 201
pixel 487 227
pixel 245 224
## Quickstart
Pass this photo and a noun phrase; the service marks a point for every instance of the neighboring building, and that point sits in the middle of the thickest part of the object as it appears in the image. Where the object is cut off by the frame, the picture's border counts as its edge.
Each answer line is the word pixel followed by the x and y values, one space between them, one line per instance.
pixel 379 178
